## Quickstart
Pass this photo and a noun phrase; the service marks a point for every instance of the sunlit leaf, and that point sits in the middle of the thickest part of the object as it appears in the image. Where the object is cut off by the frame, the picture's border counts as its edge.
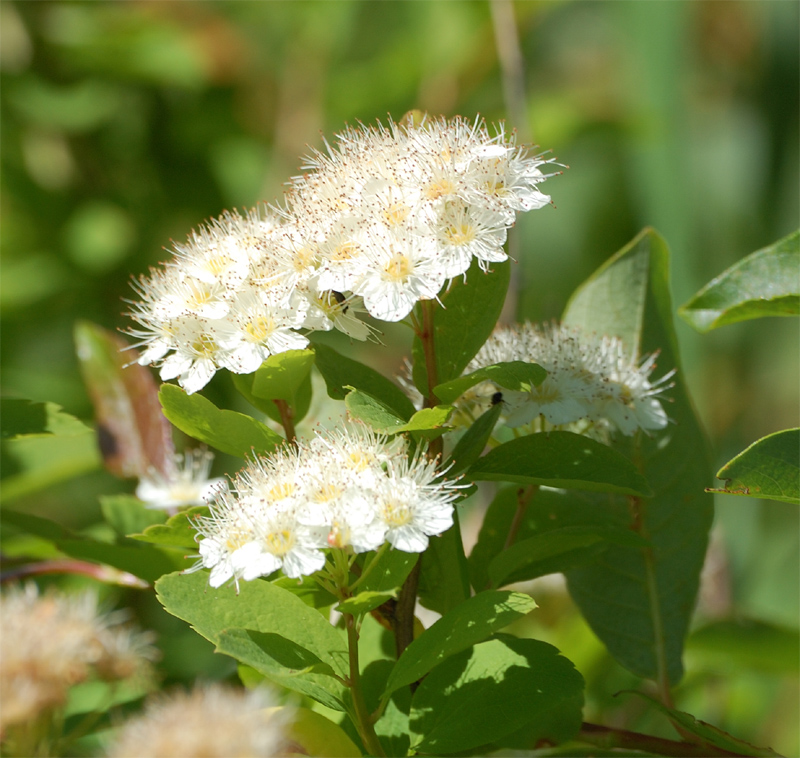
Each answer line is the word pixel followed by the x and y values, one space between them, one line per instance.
pixel 769 468
pixel 765 283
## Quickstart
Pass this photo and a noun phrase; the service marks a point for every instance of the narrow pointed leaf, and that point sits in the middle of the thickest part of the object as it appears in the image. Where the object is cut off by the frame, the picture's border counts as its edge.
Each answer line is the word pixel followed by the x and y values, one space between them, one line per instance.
pixel 444 575
pixel 473 442
pixel 372 412
pixel 467 317
pixel 561 459
pixel 179 530
pixel 640 601
pixel 364 602
pixel 765 283
pixel 132 432
pixel 769 468
pixel 228 431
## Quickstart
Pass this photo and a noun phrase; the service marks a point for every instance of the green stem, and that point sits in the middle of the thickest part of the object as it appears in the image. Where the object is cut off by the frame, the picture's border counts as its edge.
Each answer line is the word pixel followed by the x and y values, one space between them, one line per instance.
pixel 366 730
pixel 605 737
pixel 383 548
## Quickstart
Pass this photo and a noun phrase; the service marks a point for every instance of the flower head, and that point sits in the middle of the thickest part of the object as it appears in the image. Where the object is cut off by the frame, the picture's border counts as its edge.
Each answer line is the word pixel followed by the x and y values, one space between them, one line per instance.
pixel 385 217
pixel 209 722
pixel 347 488
pixel 186 484
pixel 593 386
pixel 51 642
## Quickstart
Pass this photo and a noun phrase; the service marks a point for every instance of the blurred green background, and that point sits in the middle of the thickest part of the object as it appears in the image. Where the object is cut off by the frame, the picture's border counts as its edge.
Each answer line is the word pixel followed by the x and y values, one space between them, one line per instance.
pixel 124 125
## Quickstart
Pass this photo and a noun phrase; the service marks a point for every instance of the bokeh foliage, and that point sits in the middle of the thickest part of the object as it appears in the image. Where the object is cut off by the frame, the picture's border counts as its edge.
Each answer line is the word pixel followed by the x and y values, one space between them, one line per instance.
pixel 126 124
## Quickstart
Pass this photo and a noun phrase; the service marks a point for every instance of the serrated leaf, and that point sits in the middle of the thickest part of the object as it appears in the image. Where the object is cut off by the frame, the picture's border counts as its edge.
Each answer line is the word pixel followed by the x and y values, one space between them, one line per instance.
pixel 639 602
pixel 544 553
pixel 463 323
pixel 133 434
pixel 341 372
pixel 364 602
pixel 512 375
pixel 24 418
pixel 489 691
pixel 765 283
pixel 179 530
pixel 561 459
pixel 706 733
pixel 261 607
pixel 769 469
pixel 228 431
pixel 467 624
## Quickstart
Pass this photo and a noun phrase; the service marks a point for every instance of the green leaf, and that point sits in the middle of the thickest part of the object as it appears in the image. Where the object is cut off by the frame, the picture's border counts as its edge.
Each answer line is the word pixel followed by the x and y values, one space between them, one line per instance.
pixel 491 690
pixel 262 607
pixel 23 418
pixel 179 531
pixel 317 735
pixel 228 431
pixel 765 283
pixel 364 602
pixel 745 643
pixel 544 512
pixel 513 375
pixel 706 733
pixel 372 412
pixel 127 514
pixel 769 468
pixel 284 663
pixel 340 372
pixel 473 442
pixel 143 561
pixel 392 726
pixel 639 601
pixel 387 570
pixel 555 550
pixel 467 624
pixel 132 432
pixel 561 459
pixel 307 589
pixel 444 575
pixel 466 318
pixel 428 422
pixel 280 375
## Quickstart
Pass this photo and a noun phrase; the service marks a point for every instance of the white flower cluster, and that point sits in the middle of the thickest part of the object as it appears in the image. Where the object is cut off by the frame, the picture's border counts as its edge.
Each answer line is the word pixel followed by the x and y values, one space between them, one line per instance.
pixel 385 218
pixel 186 484
pixel 346 488
pixel 592 385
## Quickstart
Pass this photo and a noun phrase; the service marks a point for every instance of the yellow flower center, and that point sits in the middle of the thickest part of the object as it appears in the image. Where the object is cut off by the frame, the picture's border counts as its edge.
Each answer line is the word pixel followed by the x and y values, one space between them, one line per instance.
pixel 396 213
pixel 398 268
pixel 460 234
pixel 396 514
pixel 260 328
pixel 280 543
pixel 204 346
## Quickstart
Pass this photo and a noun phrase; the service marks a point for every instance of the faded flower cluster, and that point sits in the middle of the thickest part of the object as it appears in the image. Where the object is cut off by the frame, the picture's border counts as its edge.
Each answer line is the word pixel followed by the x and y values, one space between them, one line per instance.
pixel 382 220
pixel 346 488
pixel 210 722
pixel 51 642
pixel 593 385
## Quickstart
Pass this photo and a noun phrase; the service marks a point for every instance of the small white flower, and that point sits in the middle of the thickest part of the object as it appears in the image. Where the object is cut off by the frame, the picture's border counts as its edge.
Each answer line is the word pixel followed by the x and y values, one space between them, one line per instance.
pixel 186 484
